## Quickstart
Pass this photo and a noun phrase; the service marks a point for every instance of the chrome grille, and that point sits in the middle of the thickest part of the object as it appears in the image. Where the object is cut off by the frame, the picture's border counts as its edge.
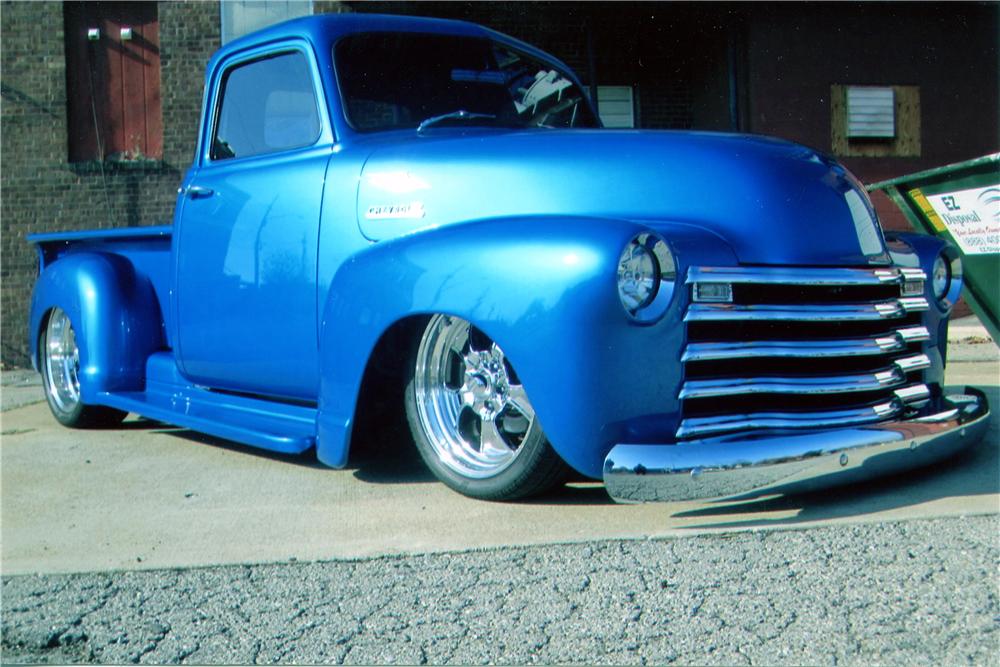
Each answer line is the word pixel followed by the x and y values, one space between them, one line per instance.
pixel 802 348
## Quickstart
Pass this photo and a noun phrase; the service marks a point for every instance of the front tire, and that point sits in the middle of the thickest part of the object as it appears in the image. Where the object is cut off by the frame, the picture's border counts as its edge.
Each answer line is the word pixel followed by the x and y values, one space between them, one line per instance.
pixel 60 362
pixel 471 419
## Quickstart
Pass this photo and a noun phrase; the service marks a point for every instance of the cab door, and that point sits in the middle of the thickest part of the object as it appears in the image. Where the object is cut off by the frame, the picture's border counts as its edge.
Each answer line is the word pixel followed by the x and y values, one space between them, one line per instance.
pixel 245 245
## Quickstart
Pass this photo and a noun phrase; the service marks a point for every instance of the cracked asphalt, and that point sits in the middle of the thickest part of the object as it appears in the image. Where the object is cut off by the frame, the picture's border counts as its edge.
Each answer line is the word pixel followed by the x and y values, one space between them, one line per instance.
pixel 922 592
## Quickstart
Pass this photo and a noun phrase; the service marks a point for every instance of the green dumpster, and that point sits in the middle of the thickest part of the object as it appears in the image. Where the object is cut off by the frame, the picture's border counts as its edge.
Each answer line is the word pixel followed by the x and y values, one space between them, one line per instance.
pixel 961 203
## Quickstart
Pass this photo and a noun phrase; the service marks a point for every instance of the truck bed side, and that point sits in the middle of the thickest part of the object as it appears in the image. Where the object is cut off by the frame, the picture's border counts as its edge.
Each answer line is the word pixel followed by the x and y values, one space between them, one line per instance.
pixel 147 249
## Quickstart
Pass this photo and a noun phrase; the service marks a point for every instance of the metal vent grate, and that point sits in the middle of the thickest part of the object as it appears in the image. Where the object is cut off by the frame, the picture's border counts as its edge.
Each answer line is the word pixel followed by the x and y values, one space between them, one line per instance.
pixel 871 112
pixel 615 106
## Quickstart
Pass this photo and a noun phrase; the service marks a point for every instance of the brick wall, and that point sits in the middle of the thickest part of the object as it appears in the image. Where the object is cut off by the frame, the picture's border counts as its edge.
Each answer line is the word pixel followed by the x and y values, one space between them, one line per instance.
pixel 947 50
pixel 39 189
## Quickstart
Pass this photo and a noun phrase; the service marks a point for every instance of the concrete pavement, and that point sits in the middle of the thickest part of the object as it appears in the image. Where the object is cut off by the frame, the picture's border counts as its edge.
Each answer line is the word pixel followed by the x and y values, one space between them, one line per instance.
pixel 150 496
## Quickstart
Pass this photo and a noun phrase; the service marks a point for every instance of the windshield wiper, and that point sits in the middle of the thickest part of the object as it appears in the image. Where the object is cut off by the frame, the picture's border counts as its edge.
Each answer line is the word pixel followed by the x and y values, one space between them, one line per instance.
pixel 461 114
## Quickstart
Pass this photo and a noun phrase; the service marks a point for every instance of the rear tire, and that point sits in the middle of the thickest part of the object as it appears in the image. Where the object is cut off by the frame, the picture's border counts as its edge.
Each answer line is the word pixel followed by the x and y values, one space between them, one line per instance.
pixel 59 358
pixel 471 419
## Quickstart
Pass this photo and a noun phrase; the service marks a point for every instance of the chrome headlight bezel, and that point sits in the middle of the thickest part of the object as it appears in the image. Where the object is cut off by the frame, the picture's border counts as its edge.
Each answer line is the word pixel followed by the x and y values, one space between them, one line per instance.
pixel 647 274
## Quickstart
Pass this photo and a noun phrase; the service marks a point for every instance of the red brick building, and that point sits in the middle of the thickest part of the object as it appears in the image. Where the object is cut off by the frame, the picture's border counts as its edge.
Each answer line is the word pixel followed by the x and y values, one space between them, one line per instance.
pixel 779 69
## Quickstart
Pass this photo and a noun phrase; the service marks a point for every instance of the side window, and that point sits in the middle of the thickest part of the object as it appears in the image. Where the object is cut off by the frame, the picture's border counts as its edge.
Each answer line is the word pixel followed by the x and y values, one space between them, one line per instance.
pixel 268 105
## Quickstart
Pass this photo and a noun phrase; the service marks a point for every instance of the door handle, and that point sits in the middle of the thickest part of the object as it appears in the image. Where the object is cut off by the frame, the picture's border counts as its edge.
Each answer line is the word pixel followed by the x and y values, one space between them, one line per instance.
pixel 196 191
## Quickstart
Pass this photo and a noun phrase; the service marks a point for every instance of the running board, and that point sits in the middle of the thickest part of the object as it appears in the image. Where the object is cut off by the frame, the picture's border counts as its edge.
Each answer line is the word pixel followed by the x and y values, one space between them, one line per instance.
pixel 277 427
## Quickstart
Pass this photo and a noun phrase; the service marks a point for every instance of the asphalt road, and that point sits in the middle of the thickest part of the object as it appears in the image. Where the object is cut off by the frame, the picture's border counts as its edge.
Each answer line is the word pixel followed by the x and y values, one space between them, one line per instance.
pixel 907 593
pixel 154 545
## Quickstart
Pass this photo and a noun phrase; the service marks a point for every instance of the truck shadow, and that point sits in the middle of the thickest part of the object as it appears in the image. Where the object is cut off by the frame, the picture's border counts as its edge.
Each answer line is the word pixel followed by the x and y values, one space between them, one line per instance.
pixel 386 460
pixel 382 461
pixel 973 472
pixel 575 492
pixel 391 458
pixel 306 459
pixel 398 463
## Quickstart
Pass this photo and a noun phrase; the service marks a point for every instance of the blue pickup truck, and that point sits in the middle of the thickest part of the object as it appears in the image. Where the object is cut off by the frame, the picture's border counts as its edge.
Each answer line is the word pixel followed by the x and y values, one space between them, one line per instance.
pixel 423 219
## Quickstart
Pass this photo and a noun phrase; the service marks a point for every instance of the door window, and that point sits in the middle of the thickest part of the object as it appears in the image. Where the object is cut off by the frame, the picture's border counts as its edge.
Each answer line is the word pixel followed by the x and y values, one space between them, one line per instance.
pixel 268 105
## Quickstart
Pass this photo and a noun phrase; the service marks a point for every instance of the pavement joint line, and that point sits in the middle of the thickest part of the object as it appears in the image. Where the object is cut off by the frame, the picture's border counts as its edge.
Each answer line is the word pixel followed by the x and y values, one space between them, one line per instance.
pixel 719 533
pixel 725 532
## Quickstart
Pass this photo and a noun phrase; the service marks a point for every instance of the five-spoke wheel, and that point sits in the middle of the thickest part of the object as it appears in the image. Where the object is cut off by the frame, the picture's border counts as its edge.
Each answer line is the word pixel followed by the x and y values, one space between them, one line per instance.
pixel 471 418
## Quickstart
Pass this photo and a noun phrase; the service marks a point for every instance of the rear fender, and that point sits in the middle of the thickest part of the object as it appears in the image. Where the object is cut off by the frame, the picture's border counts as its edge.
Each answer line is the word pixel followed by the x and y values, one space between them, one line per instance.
pixel 543 288
pixel 115 315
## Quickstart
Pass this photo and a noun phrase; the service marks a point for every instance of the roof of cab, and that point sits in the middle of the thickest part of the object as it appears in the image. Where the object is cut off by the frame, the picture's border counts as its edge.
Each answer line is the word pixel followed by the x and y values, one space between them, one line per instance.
pixel 321 29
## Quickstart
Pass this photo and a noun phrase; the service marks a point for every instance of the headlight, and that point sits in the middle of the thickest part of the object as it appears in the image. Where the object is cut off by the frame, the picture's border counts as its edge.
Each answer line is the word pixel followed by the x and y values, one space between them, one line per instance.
pixel 646 273
pixel 637 271
pixel 941 277
pixel 946 277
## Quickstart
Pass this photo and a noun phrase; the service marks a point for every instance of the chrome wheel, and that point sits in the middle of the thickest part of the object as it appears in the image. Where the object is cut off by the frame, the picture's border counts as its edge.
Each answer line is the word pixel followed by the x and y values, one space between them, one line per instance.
pixel 62 363
pixel 470 403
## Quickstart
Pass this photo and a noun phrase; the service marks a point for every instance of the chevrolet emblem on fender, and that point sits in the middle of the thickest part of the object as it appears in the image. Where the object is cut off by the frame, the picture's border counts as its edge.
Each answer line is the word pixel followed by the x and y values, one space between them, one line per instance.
pixel 411 211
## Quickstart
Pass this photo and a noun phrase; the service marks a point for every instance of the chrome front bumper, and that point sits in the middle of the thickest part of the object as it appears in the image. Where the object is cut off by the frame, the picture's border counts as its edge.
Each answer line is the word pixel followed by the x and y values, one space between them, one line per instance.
pixel 750 466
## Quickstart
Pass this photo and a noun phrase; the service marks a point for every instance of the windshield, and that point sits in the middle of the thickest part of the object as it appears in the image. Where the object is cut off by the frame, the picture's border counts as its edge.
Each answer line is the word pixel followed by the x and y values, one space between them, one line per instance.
pixel 391 81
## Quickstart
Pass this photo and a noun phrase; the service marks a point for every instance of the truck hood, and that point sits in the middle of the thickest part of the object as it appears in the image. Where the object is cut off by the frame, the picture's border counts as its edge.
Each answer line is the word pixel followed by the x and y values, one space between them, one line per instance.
pixel 772 201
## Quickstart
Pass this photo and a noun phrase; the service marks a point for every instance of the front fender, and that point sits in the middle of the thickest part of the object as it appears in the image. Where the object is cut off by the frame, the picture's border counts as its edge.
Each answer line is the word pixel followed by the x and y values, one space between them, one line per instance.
pixel 544 289
pixel 115 315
